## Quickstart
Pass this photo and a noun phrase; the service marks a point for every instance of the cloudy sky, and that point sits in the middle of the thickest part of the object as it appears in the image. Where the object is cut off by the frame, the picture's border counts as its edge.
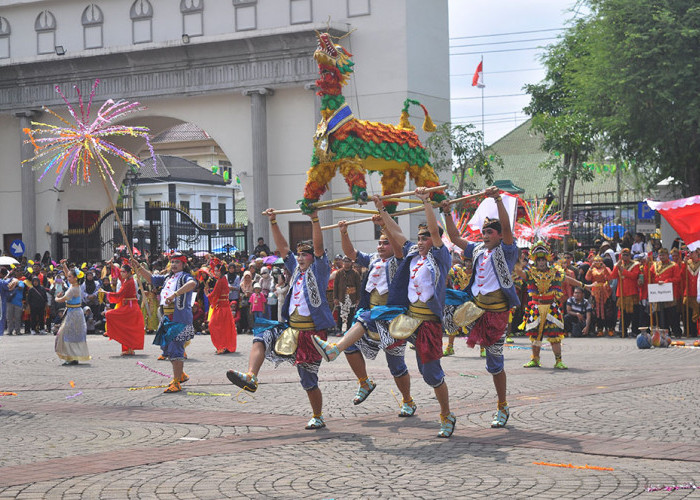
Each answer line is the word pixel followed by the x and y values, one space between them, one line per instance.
pixel 510 35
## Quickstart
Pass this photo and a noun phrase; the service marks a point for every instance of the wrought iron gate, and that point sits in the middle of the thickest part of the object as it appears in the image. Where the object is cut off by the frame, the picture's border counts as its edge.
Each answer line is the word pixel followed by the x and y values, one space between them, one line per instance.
pixel 168 227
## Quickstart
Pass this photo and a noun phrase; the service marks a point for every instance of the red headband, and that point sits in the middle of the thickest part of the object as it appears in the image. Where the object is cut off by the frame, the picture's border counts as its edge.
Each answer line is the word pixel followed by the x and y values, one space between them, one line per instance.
pixel 181 258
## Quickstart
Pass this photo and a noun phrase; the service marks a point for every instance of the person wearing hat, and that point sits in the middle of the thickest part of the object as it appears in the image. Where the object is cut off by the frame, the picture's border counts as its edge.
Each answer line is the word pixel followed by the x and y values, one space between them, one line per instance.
pixel 125 323
pixel 599 275
pixel 667 271
pixel 346 295
pixel 305 313
pixel 71 340
pixel 363 339
pixel 175 328
pixel 629 275
pixel 544 317
pixel 419 285
pixel 493 289
pixel 608 254
pixel 222 328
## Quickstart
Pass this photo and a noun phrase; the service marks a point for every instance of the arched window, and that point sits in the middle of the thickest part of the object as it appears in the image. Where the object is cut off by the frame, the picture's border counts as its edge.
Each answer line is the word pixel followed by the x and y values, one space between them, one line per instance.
pixel 4 38
pixel 92 27
pixel 192 20
pixel 45 27
pixel 141 21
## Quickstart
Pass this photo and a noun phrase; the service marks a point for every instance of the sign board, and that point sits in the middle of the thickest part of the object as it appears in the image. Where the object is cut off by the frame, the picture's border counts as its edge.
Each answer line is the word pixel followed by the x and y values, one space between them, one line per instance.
pixel 644 212
pixel 661 293
pixel 646 227
pixel 17 248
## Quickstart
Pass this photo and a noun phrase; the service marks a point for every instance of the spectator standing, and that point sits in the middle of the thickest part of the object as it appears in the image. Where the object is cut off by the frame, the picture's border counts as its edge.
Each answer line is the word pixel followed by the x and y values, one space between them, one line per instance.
pixel 346 295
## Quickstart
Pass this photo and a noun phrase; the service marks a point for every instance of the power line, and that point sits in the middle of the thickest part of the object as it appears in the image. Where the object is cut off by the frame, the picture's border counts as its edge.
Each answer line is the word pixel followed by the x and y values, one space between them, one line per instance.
pixel 503 71
pixel 485 97
pixel 494 51
pixel 488 114
pixel 501 43
pixel 505 34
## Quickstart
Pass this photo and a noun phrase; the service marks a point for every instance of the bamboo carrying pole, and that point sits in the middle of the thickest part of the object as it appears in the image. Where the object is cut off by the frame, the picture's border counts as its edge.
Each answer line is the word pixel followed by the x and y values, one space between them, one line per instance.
pixel 121 228
pixel 402 212
pixel 369 219
pixel 339 202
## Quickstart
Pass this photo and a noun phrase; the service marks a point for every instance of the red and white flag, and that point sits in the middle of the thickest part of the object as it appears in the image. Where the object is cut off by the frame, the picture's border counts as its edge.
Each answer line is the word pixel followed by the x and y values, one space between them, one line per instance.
pixel 478 80
pixel 684 216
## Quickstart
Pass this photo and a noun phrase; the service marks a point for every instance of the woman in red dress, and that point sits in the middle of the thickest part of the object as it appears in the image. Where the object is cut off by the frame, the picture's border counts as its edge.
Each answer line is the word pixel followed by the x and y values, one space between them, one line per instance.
pixel 222 328
pixel 125 323
pixel 600 276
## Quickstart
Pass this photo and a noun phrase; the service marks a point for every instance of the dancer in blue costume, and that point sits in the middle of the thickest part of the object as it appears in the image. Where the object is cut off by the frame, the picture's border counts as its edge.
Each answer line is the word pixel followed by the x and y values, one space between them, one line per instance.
pixel 305 313
pixel 71 341
pixel 367 336
pixel 175 328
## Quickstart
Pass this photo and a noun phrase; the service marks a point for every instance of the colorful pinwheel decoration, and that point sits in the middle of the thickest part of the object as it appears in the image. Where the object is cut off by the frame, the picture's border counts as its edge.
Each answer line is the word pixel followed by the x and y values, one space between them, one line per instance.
pixel 82 146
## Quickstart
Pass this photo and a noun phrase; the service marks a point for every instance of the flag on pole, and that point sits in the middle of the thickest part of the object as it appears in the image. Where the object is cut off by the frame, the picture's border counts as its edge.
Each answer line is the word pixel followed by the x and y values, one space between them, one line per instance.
pixel 684 216
pixel 478 80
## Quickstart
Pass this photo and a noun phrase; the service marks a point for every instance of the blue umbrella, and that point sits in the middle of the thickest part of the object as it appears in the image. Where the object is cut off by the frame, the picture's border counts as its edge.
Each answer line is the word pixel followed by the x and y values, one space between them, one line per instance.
pixel 611 228
pixel 225 249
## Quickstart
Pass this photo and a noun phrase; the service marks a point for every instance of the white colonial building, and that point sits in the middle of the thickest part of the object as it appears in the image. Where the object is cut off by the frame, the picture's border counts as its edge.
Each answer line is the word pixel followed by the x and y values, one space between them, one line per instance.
pixel 241 70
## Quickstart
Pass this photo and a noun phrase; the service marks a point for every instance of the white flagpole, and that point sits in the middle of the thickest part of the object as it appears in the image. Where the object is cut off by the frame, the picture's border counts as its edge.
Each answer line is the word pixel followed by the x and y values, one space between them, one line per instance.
pixel 483 130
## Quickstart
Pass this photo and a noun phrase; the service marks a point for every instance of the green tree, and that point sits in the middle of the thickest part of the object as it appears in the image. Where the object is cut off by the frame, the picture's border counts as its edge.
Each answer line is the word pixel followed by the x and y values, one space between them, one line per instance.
pixel 637 82
pixel 567 133
pixel 459 149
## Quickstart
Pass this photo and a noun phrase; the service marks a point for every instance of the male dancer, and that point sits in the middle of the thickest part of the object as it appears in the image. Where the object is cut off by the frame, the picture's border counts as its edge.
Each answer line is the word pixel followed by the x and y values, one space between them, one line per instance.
pixel 419 285
pixel 493 289
pixel 364 336
pixel 175 328
pixel 305 311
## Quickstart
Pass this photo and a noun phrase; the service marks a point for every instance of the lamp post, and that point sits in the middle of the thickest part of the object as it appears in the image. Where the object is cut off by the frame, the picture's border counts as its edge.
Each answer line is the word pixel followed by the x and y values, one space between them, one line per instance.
pixel 129 180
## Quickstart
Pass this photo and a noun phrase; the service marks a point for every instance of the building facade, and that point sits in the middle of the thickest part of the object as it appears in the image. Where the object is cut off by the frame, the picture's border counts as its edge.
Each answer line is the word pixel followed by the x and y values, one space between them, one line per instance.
pixel 241 70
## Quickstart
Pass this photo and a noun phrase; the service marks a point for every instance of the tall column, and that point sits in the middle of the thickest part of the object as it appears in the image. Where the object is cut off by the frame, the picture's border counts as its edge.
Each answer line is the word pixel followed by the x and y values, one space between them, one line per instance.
pixel 28 184
pixel 258 119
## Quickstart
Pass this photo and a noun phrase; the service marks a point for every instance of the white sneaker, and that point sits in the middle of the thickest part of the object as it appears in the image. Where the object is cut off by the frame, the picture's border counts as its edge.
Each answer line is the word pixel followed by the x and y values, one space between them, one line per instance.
pixel 33 332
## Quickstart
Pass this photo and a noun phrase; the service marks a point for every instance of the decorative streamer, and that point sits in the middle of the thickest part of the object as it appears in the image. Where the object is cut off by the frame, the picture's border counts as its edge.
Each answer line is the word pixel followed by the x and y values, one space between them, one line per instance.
pixel 524 347
pixel 570 466
pixel 207 394
pixel 466 375
pixel 72 384
pixel 8 393
pixel 396 398
pixel 672 487
pixel 152 370
pixel 74 395
pixel 237 396
pixel 147 387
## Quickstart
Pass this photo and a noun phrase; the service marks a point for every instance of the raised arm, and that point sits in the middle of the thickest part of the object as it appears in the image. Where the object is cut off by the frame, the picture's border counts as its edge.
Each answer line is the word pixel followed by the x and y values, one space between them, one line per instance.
pixel 393 230
pixel 451 228
pixel 141 271
pixel 317 235
pixel 430 217
pixel 280 241
pixel 348 247
pixel 503 218
pixel 398 249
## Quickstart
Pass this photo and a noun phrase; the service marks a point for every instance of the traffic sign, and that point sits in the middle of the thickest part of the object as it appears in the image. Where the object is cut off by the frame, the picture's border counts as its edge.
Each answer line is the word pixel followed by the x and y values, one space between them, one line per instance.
pixel 644 212
pixel 17 248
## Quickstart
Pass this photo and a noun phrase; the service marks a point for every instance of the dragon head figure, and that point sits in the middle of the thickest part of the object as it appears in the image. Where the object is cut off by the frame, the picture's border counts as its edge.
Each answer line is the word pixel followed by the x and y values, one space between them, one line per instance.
pixel 334 65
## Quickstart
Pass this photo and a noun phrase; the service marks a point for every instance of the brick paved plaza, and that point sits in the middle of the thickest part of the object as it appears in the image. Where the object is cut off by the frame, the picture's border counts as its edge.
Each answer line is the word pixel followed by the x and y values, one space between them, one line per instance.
pixel 616 407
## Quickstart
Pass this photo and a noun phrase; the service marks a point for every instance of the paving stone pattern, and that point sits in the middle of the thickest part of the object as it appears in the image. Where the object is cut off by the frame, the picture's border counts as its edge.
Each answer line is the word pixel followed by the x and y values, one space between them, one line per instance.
pixel 617 406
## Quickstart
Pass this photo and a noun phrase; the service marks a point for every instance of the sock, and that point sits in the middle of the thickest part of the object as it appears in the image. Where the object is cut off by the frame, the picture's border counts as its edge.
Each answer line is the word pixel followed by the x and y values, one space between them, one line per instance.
pixel 502 405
